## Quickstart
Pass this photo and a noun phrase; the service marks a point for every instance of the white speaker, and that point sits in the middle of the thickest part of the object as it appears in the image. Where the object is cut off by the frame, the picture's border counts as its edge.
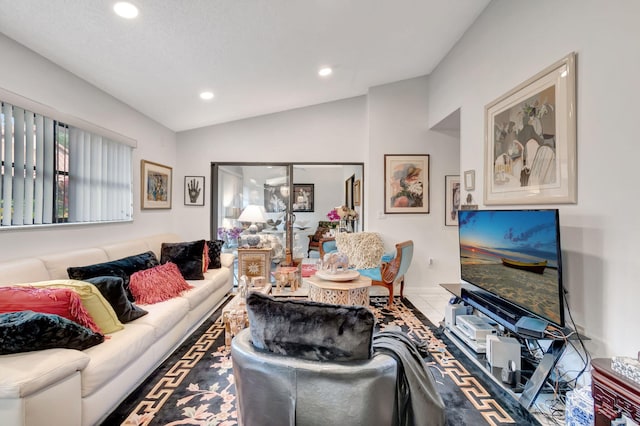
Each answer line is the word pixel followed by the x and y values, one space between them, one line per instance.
pixel 451 311
pixel 501 350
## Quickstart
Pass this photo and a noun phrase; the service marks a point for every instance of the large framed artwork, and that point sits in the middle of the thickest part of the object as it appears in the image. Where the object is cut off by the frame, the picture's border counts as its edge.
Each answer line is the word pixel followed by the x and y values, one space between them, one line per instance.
pixel 406 183
pixel 303 197
pixel 530 140
pixel 194 190
pixel 451 199
pixel 156 183
pixel 276 198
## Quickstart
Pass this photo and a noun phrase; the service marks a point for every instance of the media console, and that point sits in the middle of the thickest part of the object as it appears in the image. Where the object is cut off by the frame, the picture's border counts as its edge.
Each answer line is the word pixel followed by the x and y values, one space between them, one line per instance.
pixel 528 386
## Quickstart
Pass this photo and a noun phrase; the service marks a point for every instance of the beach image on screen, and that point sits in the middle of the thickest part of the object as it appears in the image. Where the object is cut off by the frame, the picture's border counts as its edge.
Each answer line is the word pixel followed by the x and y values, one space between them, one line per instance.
pixel 514 255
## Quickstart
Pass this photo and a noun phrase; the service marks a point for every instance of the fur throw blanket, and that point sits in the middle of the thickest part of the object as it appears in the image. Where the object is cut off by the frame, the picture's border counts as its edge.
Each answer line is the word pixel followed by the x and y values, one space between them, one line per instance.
pixel 364 249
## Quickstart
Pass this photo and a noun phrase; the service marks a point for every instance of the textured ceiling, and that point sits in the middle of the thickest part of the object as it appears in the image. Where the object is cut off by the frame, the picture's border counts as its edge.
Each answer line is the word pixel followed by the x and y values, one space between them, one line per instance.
pixel 257 56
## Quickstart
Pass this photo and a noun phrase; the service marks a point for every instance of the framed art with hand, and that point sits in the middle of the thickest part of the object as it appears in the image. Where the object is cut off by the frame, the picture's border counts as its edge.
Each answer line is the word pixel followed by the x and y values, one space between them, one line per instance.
pixel 194 190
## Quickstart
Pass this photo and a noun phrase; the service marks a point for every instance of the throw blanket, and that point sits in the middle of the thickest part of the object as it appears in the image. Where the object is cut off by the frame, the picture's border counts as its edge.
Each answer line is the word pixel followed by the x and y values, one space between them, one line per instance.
pixel 417 400
pixel 364 249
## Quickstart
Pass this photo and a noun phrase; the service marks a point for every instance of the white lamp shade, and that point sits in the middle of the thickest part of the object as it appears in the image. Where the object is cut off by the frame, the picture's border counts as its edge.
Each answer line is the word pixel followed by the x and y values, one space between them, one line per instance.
pixel 253 213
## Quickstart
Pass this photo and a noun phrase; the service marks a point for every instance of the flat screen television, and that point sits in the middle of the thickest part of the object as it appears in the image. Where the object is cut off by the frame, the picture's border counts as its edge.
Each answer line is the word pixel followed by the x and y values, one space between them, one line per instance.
pixel 512 259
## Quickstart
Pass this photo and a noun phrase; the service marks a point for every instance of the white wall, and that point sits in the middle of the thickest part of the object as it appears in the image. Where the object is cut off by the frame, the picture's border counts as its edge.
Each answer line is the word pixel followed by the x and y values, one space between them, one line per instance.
pixel 510 42
pixel 391 119
pixel 30 75
pixel 330 132
pixel 399 124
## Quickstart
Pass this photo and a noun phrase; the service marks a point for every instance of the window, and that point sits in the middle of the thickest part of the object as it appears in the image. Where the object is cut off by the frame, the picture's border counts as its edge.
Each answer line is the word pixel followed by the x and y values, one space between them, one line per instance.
pixel 52 172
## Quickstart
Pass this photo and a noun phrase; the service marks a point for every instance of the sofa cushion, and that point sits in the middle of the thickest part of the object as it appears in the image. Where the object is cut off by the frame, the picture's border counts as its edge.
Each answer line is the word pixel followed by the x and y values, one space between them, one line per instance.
pixel 164 316
pixel 110 358
pixel 187 255
pixel 58 301
pixel 310 330
pixel 34 331
pixel 112 288
pixel 215 249
pixel 21 270
pixel 122 268
pixel 97 306
pixel 157 284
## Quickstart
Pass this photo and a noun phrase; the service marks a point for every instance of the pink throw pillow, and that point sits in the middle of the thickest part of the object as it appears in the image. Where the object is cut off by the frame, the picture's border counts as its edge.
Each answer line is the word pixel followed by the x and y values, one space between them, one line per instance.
pixel 205 258
pixel 58 301
pixel 157 284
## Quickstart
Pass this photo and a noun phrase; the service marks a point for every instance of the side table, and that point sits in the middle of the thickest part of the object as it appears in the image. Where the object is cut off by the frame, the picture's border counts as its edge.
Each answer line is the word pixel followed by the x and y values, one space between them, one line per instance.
pixel 355 292
pixel 234 314
pixel 613 393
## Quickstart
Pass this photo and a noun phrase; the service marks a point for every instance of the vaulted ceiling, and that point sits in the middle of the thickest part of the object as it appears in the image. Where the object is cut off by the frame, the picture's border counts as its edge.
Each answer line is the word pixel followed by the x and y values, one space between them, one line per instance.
pixel 256 56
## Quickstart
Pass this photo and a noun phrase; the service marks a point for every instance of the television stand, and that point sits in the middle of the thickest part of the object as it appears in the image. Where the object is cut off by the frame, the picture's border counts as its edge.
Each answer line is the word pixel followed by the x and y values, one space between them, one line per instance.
pixel 529 388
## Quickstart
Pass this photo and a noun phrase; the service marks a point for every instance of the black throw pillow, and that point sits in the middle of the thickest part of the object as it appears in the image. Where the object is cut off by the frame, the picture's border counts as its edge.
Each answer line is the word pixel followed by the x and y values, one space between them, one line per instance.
pixel 215 248
pixel 188 256
pixel 26 331
pixel 112 289
pixel 310 330
pixel 122 268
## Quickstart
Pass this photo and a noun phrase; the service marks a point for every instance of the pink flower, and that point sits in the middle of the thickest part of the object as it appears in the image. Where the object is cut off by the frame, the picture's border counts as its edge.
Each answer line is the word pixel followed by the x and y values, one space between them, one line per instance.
pixel 333 215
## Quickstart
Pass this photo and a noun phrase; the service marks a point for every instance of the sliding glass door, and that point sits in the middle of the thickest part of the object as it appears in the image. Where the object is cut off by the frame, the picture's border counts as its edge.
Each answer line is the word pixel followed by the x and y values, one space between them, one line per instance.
pixel 294 200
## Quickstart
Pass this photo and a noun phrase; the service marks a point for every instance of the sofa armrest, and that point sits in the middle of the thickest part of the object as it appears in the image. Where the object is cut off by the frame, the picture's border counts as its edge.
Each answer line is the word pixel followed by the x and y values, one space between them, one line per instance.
pixel 227 259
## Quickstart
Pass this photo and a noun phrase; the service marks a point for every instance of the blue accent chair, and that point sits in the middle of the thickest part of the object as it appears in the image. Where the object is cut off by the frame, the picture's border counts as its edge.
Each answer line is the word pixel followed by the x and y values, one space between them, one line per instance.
pixel 391 270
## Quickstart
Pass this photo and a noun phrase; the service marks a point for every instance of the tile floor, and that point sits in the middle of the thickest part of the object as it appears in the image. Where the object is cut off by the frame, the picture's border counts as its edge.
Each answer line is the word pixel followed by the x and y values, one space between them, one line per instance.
pixel 431 301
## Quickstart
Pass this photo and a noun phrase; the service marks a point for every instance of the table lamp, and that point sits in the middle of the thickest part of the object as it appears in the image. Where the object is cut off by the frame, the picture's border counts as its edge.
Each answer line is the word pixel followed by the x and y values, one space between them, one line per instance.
pixel 255 214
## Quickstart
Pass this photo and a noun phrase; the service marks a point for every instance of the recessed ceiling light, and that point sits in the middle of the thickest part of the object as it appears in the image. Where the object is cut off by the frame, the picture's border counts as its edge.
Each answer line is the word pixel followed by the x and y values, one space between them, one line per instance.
pixel 206 95
pixel 324 72
pixel 125 10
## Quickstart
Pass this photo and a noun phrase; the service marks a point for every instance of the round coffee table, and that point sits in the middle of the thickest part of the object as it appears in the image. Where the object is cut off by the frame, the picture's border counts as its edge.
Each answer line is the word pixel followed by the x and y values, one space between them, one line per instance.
pixel 354 292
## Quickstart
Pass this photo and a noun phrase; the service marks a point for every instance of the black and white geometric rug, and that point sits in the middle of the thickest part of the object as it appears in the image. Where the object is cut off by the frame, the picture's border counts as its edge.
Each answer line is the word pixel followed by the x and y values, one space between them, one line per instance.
pixel 195 385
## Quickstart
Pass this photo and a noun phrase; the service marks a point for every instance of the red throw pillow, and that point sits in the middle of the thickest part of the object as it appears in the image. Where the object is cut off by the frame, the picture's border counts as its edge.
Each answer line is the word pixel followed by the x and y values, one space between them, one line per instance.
pixel 158 284
pixel 59 301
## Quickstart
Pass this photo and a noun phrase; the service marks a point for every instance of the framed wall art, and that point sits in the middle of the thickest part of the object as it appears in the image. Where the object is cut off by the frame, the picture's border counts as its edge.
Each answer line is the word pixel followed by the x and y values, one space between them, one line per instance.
pixel 303 197
pixel 406 183
pixel 356 193
pixel 155 187
pixel 194 190
pixel 530 140
pixel 451 199
pixel 276 198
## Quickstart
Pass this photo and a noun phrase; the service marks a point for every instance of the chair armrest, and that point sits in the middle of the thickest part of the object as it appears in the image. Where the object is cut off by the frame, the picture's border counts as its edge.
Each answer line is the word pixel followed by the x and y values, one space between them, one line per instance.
pixel 327 245
pixel 388 257
pixel 389 270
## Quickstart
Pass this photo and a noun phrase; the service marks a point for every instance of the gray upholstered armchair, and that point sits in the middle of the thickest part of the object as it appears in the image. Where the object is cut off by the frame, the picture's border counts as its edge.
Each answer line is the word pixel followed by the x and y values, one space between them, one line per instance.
pixel 305 363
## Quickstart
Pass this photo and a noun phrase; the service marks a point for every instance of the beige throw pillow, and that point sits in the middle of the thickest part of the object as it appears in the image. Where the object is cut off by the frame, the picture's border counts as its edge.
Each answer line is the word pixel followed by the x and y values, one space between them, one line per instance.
pixel 364 249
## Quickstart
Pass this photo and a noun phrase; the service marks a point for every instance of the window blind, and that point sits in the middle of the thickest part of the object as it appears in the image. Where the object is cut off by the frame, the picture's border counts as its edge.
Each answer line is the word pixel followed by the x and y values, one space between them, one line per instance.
pixel 53 172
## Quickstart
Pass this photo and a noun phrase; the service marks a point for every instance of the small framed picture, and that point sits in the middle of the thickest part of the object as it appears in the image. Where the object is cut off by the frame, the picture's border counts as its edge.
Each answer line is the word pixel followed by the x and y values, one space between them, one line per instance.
pixel 194 190
pixel 303 197
pixel 356 193
pixel 156 184
pixel 452 200
pixel 469 180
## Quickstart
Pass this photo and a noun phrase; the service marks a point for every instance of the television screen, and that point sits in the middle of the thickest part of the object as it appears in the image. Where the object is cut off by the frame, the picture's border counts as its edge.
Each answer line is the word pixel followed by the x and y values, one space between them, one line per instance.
pixel 514 255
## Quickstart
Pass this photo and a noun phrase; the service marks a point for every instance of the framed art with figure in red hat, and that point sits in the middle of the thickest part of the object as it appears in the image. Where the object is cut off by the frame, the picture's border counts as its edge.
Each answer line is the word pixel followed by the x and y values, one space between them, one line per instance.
pixel 406 186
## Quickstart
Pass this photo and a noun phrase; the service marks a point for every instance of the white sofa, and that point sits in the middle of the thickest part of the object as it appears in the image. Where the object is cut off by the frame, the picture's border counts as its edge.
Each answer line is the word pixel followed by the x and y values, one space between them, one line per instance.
pixel 69 387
